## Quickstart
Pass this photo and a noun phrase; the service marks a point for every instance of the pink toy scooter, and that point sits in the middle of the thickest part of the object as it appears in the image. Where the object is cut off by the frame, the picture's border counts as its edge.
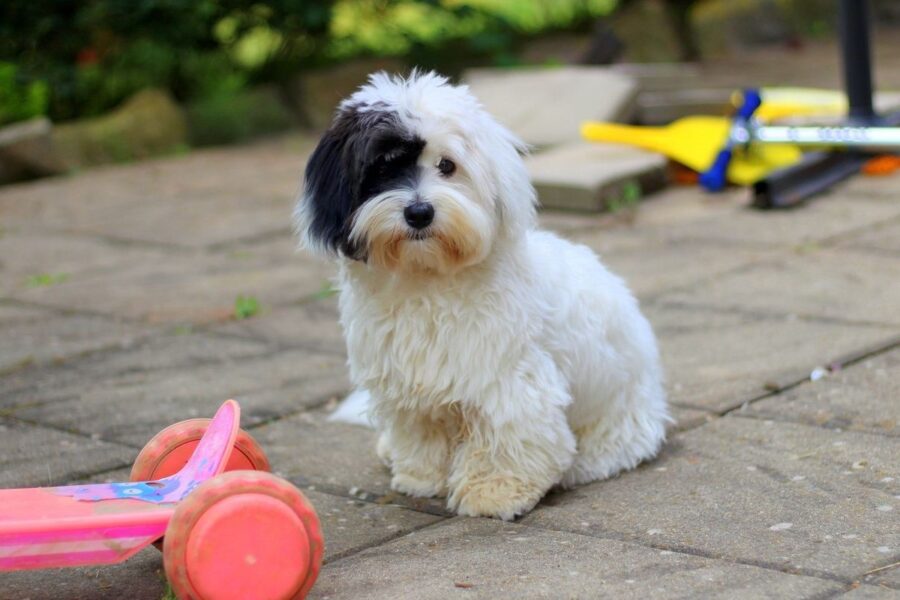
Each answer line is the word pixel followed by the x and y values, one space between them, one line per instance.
pixel 237 535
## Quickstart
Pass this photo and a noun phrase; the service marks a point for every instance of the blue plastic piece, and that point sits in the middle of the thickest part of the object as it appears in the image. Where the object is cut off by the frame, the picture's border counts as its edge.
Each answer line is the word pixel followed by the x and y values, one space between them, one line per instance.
pixel 715 178
pixel 752 100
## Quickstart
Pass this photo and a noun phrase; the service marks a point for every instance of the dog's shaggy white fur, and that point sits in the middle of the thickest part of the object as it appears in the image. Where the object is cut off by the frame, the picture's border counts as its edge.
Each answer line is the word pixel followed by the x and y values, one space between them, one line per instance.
pixel 500 360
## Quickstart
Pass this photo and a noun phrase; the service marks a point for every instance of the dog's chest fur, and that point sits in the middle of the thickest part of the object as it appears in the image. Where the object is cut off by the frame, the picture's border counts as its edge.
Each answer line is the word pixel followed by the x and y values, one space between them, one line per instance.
pixel 424 344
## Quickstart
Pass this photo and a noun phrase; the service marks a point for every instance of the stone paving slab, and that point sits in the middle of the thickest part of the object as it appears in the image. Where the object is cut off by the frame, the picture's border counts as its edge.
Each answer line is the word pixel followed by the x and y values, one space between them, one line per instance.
pixel 680 213
pixel 593 177
pixel 823 283
pixel 792 497
pixel 160 354
pixel 197 200
pixel 340 458
pixel 799 230
pixel 478 558
pixel 312 324
pixel 864 397
pixel 36 336
pixel 547 106
pixel 717 360
pixel 27 253
pixel 889 578
pixel 883 240
pixel 139 578
pixel 196 289
pixel 32 455
pixel 870 592
pixel 118 398
pixel 651 266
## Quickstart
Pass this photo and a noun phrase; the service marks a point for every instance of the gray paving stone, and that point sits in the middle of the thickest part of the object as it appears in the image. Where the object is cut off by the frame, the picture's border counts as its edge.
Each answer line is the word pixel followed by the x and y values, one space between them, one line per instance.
pixel 883 239
pixel 312 324
pixel 27 253
pixel 870 592
pixel 340 458
pixel 196 289
pixel 33 456
pixel 688 418
pixel 547 106
pixel 333 457
pixel 862 397
pixel 164 353
pixel 884 189
pixel 652 266
pixel 204 198
pixel 717 360
pixel 592 177
pixel 121 399
pixel 683 213
pixel 889 577
pixel 479 558
pixel 140 578
pixel 680 213
pixel 351 525
pixel 832 284
pixel 34 336
pixel 793 497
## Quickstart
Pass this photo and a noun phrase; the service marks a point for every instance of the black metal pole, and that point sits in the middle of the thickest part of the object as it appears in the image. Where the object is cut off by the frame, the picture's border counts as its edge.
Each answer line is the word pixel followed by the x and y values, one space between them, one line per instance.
pixel 857 59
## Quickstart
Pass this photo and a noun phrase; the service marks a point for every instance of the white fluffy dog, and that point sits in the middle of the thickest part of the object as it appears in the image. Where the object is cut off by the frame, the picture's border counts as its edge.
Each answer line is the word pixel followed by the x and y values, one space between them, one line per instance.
pixel 500 360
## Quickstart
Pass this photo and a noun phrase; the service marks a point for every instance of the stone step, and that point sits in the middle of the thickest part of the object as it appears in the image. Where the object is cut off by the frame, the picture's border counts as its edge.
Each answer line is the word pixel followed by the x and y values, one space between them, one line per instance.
pixel 546 107
pixel 590 177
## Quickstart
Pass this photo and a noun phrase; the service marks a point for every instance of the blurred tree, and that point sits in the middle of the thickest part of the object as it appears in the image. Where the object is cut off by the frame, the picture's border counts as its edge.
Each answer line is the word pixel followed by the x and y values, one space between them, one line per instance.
pixel 605 47
pixel 93 54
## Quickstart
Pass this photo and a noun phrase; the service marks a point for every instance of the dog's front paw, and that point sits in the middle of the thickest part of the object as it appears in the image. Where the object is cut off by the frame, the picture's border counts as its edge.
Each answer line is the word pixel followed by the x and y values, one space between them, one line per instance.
pixel 418 487
pixel 497 496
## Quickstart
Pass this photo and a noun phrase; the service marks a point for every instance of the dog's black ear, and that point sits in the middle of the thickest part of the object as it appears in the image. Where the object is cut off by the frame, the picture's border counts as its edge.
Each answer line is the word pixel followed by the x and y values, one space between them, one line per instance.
pixel 334 176
pixel 328 194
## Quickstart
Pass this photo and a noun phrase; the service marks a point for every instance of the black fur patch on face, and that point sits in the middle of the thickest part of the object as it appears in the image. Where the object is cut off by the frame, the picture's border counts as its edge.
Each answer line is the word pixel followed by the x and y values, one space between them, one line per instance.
pixel 363 154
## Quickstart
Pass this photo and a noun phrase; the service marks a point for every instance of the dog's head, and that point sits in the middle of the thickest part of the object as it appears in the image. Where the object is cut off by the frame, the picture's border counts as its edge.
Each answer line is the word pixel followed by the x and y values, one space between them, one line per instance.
pixel 414 176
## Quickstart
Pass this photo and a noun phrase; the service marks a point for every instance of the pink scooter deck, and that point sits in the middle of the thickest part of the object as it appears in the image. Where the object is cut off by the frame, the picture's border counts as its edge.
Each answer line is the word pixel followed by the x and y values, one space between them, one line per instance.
pixel 107 522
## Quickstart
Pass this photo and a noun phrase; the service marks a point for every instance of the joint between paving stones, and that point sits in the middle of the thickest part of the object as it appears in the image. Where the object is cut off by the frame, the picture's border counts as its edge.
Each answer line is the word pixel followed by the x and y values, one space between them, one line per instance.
pixel 690 551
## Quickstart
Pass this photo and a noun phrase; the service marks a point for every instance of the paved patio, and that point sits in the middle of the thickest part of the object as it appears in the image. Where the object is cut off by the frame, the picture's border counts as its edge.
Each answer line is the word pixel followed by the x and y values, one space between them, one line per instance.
pixel 117 289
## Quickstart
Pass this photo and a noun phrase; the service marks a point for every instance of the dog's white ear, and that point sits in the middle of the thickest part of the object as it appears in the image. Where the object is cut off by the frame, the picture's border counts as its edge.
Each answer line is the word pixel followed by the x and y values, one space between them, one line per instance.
pixel 516 196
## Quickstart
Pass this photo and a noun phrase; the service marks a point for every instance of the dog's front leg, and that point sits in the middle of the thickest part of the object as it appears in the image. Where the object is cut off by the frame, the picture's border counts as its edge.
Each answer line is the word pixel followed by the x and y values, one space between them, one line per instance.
pixel 517 444
pixel 417 447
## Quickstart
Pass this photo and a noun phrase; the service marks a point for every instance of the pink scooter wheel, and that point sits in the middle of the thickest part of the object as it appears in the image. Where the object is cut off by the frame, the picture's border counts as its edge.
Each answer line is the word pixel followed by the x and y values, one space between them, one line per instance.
pixel 243 535
pixel 170 449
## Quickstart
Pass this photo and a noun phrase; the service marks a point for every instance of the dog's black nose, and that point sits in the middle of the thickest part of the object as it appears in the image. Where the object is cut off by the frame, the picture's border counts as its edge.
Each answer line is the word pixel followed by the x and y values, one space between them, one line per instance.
pixel 419 214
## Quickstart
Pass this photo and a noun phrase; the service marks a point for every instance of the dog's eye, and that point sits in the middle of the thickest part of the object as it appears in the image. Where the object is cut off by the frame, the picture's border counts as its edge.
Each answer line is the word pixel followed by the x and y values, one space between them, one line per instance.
pixel 447 167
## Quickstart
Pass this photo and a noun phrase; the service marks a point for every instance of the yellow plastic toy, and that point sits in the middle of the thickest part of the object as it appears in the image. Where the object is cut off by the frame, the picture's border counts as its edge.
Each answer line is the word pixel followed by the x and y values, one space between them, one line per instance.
pixel 695 142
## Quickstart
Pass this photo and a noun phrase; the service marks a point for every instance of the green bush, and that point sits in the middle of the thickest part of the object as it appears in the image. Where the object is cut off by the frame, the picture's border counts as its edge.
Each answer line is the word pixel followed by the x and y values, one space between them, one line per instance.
pixel 20 100
pixel 93 55
pixel 228 118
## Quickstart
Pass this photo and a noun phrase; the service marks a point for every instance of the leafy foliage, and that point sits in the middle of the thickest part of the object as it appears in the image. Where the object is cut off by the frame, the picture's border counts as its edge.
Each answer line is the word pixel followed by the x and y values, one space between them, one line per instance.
pixel 92 55
pixel 20 100
pixel 245 307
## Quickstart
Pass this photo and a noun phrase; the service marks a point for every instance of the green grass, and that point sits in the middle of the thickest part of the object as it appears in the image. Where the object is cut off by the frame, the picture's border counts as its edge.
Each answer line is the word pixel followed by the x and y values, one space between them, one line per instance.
pixel 169 594
pixel 45 279
pixel 245 307
pixel 628 197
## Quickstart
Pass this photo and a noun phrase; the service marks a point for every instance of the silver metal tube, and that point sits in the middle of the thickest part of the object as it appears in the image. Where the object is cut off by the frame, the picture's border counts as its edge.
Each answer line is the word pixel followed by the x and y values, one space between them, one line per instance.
pixel 849 137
